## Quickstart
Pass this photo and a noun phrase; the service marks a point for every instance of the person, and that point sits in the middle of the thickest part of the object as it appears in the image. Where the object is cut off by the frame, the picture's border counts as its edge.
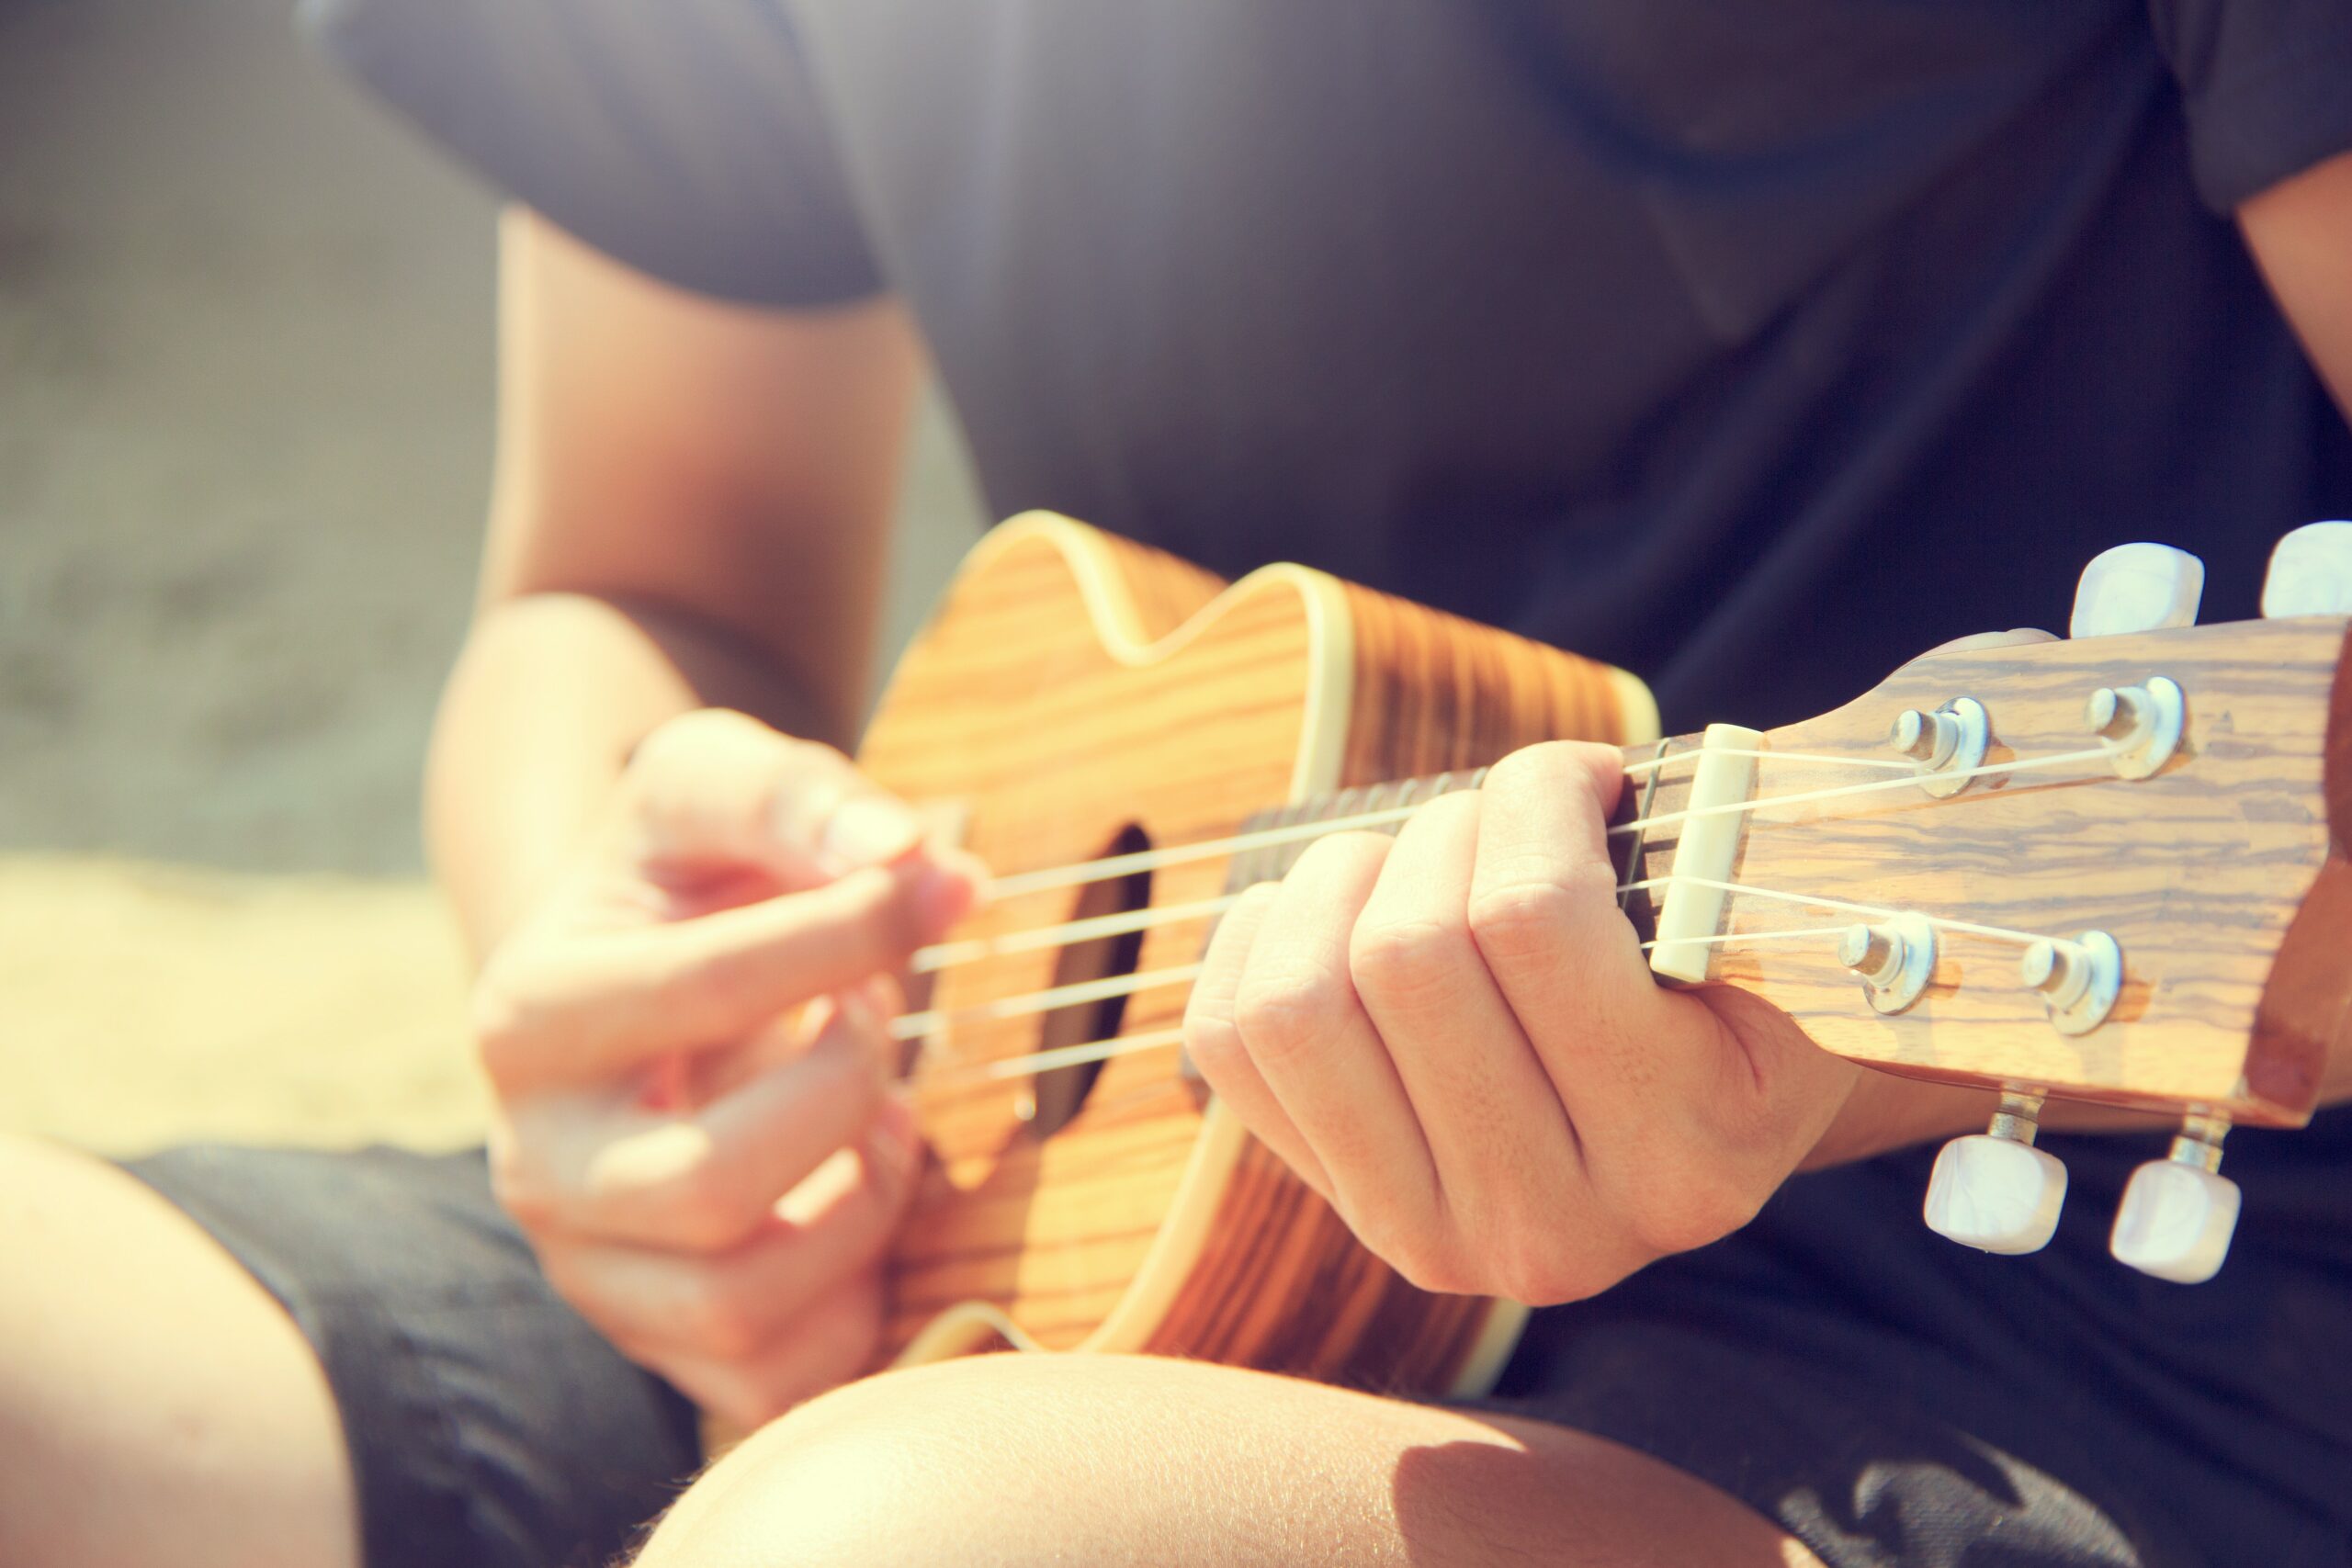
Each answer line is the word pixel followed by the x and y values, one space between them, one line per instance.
pixel 1751 347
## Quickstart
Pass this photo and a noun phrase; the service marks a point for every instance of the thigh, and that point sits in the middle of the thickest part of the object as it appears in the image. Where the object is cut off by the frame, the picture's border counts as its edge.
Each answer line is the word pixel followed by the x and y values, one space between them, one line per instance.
pixel 156 1405
pixel 1110 1461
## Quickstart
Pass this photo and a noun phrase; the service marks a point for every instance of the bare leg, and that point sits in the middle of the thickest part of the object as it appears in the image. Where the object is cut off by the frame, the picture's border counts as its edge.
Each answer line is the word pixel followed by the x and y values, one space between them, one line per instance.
pixel 156 1405
pixel 1112 1460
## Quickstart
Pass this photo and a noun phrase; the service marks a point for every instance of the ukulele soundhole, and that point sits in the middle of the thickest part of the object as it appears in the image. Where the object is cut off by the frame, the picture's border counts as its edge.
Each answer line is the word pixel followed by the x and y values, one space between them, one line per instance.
pixel 1058 1093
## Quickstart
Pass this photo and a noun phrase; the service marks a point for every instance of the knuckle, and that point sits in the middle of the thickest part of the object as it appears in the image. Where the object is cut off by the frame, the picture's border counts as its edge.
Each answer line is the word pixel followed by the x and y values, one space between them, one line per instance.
pixel 1538 1272
pixel 1550 764
pixel 579 1291
pixel 1283 1016
pixel 1437 1269
pixel 1702 1207
pixel 1538 765
pixel 844 1067
pixel 1410 962
pixel 682 738
pixel 670 748
pixel 1514 921
pixel 716 1317
pixel 705 1210
pixel 1211 1039
pixel 1422 1257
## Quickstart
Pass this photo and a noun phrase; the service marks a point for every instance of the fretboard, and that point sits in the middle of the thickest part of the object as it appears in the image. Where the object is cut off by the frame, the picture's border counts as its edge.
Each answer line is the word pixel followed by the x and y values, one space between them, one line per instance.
pixel 1382 807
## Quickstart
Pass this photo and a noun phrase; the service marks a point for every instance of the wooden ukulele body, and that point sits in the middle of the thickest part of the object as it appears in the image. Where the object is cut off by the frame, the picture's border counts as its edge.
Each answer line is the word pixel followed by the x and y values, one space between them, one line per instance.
pixel 1077 695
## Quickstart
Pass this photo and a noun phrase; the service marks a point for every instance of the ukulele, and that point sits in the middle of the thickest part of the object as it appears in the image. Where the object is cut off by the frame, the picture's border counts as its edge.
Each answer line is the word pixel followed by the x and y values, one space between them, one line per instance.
pixel 2109 869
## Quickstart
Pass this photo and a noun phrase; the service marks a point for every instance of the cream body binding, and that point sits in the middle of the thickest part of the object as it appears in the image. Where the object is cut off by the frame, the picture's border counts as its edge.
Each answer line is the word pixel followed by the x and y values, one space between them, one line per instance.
pixel 1103 572
pixel 969 1326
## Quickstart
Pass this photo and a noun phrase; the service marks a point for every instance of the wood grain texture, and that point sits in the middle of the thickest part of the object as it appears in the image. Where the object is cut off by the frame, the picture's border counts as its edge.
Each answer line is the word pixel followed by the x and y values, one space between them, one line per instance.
pixel 1029 704
pixel 1431 693
pixel 2199 872
pixel 1075 691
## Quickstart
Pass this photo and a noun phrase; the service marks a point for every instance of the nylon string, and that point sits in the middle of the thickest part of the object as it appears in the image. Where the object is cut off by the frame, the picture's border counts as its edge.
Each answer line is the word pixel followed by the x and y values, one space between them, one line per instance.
pixel 1083 872
pixel 947 955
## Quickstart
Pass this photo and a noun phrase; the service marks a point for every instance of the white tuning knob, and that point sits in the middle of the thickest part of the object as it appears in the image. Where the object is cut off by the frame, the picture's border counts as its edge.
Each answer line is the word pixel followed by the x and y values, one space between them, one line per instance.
pixel 2177 1215
pixel 2310 572
pixel 1996 1195
pixel 2137 588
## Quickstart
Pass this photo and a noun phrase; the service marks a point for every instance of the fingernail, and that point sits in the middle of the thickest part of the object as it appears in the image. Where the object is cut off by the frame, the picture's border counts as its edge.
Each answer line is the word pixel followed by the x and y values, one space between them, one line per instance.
pixel 944 894
pixel 869 830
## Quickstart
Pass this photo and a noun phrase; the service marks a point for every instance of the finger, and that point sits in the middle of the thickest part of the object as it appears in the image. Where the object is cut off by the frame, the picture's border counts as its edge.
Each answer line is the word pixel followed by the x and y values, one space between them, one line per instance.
pixel 585 1006
pixel 1543 905
pixel 828 1344
pixel 1685 1123
pixel 714 785
pixel 1213 1041
pixel 1312 1043
pixel 731 1305
pixel 1497 1134
pixel 705 1180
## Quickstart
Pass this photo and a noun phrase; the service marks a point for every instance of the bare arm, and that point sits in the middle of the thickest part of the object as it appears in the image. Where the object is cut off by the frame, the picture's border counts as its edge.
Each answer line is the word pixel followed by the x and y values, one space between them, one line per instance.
pixel 690 510
pixel 686 916
pixel 2300 233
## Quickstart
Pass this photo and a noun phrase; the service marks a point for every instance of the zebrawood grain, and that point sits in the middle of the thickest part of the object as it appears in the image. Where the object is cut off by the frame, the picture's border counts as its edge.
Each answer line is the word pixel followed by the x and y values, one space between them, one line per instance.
pixel 1074 690
pixel 1029 704
pixel 2199 872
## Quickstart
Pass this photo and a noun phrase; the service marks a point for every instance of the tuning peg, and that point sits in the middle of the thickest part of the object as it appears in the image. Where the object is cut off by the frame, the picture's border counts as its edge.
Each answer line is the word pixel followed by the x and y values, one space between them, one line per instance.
pixel 2178 1213
pixel 2137 588
pixel 1993 1190
pixel 2310 572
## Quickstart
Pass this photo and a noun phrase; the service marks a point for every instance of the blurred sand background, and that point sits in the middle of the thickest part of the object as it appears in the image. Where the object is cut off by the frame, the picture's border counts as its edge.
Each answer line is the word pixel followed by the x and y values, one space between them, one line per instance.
pixel 245 416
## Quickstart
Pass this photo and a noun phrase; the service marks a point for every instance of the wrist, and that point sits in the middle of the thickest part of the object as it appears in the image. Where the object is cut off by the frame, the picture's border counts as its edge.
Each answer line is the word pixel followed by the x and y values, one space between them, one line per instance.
pixel 548 700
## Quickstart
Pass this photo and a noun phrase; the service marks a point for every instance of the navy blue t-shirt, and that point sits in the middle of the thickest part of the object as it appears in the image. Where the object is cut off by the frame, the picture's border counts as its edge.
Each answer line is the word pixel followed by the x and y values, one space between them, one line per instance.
pixel 1752 345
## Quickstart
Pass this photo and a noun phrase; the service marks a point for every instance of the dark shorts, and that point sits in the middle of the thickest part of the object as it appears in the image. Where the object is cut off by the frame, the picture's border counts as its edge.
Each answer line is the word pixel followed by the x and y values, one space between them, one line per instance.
pixel 1891 1400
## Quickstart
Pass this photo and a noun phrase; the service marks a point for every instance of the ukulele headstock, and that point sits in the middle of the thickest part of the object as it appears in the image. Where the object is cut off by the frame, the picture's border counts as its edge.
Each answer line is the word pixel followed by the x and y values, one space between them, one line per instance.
pixel 2108 869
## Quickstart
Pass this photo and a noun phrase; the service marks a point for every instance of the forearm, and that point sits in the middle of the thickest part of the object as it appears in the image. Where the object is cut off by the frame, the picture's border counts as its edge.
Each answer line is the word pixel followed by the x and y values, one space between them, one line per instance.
pixel 552 692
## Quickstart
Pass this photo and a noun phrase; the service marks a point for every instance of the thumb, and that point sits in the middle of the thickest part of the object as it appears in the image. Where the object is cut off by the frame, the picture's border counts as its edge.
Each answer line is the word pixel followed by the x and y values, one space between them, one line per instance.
pixel 713 786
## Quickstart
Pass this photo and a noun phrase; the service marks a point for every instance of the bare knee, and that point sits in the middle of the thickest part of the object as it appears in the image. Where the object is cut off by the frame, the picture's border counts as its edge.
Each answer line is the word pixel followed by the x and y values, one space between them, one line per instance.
pixel 931 1465
pixel 1012 1461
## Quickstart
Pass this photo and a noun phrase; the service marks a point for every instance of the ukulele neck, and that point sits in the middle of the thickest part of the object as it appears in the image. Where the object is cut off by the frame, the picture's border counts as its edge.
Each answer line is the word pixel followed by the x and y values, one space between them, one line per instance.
pixel 1650 790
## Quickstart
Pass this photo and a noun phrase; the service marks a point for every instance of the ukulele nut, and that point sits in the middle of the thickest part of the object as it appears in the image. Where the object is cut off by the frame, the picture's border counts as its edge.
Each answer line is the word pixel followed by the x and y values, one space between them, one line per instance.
pixel 1896 959
pixel 2077 980
pixel 2142 725
pixel 1950 740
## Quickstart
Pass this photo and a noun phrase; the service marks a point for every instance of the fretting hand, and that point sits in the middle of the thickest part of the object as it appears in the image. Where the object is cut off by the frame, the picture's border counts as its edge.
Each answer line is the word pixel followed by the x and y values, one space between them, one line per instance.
pixel 688 1042
pixel 1455 1038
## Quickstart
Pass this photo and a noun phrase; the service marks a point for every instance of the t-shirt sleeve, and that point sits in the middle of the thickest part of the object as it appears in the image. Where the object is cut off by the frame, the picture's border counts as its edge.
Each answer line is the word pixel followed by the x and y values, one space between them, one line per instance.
pixel 683 137
pixel 2266 83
